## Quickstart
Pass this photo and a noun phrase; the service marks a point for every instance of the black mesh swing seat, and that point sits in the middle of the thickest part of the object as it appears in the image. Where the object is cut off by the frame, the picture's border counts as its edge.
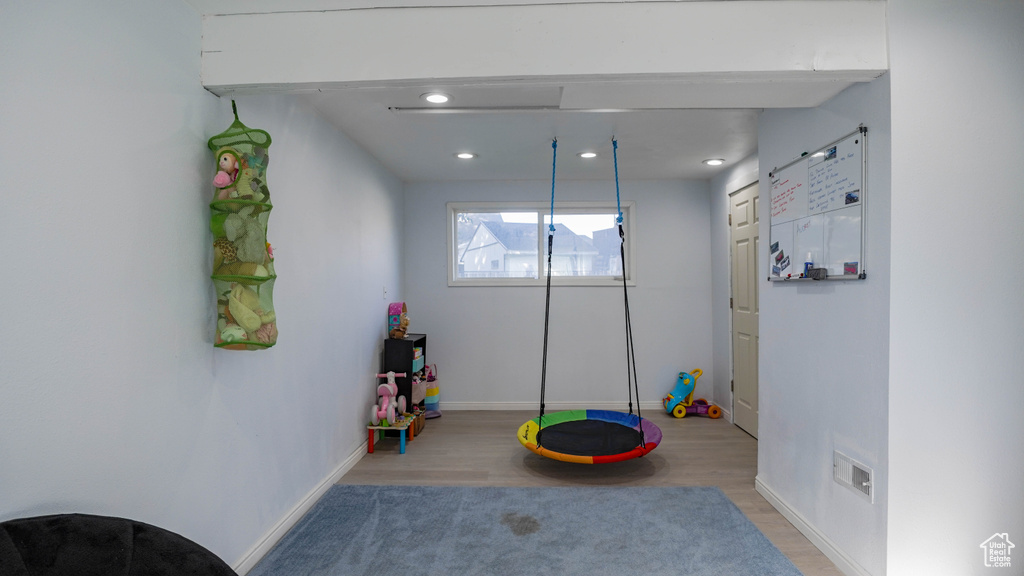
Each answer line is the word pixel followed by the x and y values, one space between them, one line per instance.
pixel 589 437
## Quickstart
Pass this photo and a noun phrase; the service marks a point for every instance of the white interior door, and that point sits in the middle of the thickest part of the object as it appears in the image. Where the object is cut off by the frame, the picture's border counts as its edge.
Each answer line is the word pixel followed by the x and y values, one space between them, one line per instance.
pixel 744 244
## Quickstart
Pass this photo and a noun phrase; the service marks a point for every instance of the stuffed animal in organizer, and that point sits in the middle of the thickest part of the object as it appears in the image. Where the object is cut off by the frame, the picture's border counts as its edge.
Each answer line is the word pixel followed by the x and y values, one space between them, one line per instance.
pixel 239 175
pixel 232 334
pixel 243 269
pixel 227 161
pixel 244 309
pixel 227 263
pixel 246 233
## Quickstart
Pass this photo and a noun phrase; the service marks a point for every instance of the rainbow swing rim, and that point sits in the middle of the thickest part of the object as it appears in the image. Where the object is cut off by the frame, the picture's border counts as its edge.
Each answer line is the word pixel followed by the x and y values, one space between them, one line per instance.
pixel 651 434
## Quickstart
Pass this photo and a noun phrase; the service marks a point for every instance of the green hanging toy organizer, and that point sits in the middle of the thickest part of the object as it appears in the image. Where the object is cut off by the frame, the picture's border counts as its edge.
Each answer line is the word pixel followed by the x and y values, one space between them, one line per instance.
pixel 243 262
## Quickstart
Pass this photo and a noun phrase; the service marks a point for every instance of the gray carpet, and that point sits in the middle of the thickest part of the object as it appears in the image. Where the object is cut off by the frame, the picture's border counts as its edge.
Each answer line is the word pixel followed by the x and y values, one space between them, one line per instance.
pixel 413 530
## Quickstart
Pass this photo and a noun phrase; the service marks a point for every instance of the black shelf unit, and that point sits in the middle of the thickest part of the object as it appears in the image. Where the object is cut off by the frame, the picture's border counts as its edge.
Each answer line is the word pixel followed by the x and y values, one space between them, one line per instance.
pixel 398 357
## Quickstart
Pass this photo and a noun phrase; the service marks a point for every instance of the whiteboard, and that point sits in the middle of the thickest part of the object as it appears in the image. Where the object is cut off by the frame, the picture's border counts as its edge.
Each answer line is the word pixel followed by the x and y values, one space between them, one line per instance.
pixel 817 213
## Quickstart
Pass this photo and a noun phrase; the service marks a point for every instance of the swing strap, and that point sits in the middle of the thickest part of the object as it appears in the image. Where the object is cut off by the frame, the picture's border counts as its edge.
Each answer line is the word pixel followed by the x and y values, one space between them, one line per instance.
pixel 547 295
pixel 632 383
pixel 618 203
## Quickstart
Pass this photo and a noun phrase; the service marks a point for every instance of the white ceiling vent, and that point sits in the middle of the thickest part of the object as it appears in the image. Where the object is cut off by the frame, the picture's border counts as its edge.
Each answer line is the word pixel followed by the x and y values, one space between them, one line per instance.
pixel 853 475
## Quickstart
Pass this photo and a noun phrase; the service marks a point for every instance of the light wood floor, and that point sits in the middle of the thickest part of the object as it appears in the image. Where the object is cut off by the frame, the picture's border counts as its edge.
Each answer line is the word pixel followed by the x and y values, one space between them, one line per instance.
pixel 479 448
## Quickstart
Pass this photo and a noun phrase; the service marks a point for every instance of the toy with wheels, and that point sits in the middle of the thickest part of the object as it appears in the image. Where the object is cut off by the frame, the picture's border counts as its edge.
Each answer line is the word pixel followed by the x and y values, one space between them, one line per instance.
pixel 387 409
pixel 680 402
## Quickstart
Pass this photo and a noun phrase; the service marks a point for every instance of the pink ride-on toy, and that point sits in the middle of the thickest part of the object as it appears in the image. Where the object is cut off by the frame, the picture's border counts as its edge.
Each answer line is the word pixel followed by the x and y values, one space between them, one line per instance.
pixel 680 402
pixel 387 410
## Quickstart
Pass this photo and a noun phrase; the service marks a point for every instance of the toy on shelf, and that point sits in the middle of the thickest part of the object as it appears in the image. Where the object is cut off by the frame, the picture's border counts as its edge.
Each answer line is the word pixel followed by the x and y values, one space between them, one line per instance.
pixel 398 332
pixel 398 320
pixel 390 407
pixel 419 390
pixel 680 402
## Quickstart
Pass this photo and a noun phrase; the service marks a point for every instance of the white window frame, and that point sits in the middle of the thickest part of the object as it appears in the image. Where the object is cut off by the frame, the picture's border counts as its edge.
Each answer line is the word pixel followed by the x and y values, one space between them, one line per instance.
pixel 544 210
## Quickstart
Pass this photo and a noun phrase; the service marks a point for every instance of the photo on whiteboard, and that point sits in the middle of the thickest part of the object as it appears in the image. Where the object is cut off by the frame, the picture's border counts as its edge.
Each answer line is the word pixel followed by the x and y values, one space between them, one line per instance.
pixel 780 256
pixel 775 247
pixel 853 197
pixel 784 264
pixel 830 154
pixel 850 268
pixel 776 271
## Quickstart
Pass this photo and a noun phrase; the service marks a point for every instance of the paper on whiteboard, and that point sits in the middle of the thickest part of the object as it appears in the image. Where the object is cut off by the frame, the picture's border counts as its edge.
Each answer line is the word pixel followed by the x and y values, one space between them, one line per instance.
pixel 789 194
pixel 780 261
pixel 833 180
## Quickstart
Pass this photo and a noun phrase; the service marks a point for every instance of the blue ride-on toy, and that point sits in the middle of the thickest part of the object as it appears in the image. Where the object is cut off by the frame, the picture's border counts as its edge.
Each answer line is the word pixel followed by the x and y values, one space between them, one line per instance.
pixel 680 402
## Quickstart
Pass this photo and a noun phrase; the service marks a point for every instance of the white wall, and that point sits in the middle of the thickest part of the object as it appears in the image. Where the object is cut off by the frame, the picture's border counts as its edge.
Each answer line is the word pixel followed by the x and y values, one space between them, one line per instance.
pixel 824 346
pixel 957 328
pixel 737 176
pixel 487 341
pixel 114 400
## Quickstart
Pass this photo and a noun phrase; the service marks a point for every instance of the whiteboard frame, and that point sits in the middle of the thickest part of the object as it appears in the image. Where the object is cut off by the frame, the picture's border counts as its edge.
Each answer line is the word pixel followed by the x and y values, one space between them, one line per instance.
pixel 862 130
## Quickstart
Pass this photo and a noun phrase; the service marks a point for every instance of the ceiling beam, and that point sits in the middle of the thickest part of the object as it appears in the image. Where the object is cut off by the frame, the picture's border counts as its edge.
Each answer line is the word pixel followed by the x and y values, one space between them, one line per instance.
pixel 758 42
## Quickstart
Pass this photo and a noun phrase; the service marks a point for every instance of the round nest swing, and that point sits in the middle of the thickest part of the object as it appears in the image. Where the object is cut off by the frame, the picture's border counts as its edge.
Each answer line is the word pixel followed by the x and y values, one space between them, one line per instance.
pixel 590 436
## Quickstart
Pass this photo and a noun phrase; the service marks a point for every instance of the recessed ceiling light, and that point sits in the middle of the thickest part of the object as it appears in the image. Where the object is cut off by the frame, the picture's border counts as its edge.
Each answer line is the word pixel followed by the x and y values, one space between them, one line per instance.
pixel 436 97
pixel 587 154
pixel 714 161
pixel 465 155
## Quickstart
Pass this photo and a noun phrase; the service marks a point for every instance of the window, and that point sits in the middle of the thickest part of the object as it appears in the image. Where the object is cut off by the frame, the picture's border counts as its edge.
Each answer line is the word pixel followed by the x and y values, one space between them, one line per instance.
pixel 505 244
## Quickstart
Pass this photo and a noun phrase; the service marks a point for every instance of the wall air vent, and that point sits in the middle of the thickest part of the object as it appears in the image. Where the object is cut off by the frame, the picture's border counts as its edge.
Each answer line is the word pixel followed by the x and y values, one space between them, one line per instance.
pixel 853 475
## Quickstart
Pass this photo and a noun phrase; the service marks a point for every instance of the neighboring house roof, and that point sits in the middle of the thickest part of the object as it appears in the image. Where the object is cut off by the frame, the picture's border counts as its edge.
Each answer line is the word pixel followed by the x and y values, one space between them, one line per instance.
pixel 522 238
pixel 515 237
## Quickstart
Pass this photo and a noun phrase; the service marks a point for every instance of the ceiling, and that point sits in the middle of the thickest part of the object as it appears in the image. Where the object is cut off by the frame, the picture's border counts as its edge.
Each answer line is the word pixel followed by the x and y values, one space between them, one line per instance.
pixel 665 127
pixel 511 128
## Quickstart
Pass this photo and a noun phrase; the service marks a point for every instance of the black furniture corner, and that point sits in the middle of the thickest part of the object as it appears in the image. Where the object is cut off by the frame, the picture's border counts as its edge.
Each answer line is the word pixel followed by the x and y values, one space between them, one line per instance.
pixel 87 545
pixel 398 358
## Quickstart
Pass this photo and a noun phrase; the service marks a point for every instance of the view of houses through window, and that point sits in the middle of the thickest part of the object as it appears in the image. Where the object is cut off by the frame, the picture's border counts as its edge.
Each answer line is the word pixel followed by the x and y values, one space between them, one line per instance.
pixel 513 244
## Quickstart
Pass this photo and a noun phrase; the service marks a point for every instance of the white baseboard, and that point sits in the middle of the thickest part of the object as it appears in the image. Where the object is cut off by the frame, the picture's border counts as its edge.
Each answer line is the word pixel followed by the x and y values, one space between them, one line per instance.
pixel 727 414
pixel 257 552
pixel 548 406
pixel 844 563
